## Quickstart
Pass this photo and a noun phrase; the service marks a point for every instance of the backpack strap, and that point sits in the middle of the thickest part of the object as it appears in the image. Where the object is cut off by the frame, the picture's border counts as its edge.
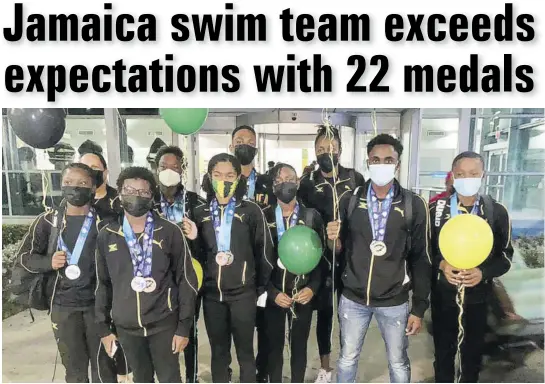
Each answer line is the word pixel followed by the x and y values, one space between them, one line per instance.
pixel 408 208
pixel 309 216
pixel 352 175
pixel 488 208
pixel 353 202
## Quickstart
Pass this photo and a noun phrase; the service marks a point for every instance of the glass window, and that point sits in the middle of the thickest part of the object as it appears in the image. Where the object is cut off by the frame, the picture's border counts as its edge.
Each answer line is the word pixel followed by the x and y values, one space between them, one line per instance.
pixel 140 139
pixel 29 174
pixel 438 146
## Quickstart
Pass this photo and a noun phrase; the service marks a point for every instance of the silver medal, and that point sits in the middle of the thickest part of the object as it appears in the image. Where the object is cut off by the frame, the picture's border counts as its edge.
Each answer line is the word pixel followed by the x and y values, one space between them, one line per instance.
pixel 222 259
pixel 378 248
pixel 150 285
pixel 230 258
pixel 72 272
pixel 138 284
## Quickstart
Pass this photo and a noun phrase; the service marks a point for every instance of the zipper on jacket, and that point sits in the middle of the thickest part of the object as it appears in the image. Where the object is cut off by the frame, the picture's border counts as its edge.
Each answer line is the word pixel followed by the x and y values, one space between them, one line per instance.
pixel 371 267
pixel 138 314
pixel 219 270
pixel 244 274
pixel 169 303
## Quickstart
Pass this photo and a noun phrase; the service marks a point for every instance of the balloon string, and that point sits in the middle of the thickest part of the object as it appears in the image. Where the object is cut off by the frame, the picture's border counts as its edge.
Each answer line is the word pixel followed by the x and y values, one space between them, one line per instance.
pixel 374 121
pixel 330 135
pixel 45 188
pixel 294 293
pixel 460 297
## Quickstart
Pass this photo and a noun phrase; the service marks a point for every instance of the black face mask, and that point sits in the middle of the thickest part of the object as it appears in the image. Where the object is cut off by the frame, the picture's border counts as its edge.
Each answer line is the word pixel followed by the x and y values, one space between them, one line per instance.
pixel 285 192
pixel 245 153
pixel 77 196
pixel 99 177
pixel 324 161
pixel 136 206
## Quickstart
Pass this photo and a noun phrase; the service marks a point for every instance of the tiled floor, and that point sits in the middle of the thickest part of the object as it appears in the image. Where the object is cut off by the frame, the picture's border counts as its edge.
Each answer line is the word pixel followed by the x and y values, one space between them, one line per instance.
pixel 28 355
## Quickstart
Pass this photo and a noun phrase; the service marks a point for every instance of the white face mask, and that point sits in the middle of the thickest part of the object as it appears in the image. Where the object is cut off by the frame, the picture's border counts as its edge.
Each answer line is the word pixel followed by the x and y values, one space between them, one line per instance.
pixel 169 178
pixel 468 187
pixel 382 174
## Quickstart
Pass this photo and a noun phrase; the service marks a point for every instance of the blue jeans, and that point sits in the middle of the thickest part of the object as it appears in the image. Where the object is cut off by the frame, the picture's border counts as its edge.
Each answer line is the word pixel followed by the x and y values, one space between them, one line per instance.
pixel 354 319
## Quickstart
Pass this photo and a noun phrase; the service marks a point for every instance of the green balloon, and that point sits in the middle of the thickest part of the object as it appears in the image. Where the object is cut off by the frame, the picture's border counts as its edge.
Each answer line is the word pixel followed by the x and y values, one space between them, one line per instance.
pixel 300 249
pixel 184 121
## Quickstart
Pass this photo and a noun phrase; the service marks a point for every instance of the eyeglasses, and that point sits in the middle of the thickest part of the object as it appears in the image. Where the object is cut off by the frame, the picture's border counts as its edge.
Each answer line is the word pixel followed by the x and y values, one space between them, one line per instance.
pixel 130 191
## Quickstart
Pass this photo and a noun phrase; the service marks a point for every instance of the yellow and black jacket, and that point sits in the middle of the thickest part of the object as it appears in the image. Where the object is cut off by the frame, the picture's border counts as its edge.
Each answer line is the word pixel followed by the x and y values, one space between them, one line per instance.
pixel 143 314
pixel 283 281
pixel 497 263
pixel 251 246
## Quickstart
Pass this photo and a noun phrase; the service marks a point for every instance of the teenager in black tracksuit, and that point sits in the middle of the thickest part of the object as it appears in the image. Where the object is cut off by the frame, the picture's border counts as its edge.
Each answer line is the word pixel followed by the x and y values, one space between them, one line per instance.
pixel 106 200
pixel 178 205
pixel 237 267
pixel 150 295
pixel 258 189
pixel 316 191
pixel 468 171
pixel 72 309
pixel 289 295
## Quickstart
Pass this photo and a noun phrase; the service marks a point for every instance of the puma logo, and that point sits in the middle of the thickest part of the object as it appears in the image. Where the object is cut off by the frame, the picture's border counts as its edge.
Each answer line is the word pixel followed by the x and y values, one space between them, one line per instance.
pixel 272 225
pixel 159 243
pixel 400 211
pixel 240 217
pixel 320 189
pixel 207 218
pixel 112 247
pixel 363 204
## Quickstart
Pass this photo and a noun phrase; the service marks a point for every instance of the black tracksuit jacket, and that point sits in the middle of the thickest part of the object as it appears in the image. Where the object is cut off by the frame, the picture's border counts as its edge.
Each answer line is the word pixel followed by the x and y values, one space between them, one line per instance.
pixel 251 246
pixel 144 314
pixel 281 280
pixel 497 263
pixel 33 255
pixel 385 281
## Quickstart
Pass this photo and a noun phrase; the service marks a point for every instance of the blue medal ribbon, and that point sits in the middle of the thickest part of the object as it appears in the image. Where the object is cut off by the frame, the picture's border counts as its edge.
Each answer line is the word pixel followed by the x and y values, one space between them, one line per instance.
pixel 141 256
pixel 280 228
pixel 73 257
pixel 454 211
pixel 222 226
pixel 379 217
pixel 250 185
pixel 174 212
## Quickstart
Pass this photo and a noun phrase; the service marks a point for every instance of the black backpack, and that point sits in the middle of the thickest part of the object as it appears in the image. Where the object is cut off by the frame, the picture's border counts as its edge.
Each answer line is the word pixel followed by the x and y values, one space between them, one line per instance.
pixel 408 209
pixel 35 290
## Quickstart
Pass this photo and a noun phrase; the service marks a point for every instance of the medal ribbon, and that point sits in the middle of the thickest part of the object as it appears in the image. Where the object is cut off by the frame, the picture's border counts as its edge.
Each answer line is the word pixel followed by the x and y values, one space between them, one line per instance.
pixel 141 256
pixel 250 185
pixel 222 226
pixel 280 229
pixel 73 257
pixel 454 211
pixel 379 217
pixel 175 212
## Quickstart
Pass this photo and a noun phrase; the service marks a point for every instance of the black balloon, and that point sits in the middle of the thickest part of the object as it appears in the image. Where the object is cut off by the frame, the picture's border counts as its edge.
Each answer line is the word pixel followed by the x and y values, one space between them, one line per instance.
pixel 38 127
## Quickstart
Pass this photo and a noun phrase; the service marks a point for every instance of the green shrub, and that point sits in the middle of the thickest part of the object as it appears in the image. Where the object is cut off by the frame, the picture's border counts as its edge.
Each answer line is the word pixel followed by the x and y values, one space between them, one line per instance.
pixel 9 254
pixel 531 249
pixel 12 233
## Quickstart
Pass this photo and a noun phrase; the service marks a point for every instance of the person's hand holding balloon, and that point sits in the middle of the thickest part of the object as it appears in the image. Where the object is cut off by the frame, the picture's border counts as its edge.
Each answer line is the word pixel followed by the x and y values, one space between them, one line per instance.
pixel 471 277
pixel 283 300
pixel 452 275
pixel 304 296
pixel 333 229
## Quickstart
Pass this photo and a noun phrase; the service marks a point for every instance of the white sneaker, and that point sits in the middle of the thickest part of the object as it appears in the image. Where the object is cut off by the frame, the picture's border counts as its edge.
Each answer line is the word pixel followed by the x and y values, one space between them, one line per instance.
pixel 323 376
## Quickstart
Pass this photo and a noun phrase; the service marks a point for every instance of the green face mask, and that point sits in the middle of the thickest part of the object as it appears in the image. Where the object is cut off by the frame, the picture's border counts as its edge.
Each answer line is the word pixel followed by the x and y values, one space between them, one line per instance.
pixel 224 188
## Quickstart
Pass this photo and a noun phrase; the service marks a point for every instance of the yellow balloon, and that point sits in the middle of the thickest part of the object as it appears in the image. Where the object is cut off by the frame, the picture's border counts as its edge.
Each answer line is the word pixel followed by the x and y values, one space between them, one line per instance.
pixel 198 270
pixel 466 241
